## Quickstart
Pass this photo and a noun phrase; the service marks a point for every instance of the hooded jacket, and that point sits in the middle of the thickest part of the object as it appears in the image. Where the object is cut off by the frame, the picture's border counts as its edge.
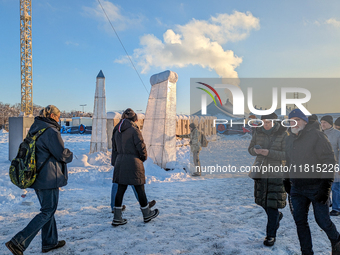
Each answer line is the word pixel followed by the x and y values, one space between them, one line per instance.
pixel 269 191
pixel 51 156
pixel 128 154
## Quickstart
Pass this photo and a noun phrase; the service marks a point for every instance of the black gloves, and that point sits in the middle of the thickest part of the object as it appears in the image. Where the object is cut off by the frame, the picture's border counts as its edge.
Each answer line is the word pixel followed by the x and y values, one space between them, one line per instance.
pixel 324 191
pixel 287 184
pixel 142 158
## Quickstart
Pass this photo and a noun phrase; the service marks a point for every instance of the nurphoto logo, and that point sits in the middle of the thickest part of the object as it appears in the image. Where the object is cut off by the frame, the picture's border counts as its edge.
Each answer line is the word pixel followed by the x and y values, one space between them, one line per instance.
pixel 238 98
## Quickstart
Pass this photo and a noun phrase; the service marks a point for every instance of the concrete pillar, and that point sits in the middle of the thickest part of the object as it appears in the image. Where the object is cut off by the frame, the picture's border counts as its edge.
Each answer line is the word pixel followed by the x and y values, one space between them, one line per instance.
pixel 99 135
pixel 159 128
pixel 18 129
pixel 109 129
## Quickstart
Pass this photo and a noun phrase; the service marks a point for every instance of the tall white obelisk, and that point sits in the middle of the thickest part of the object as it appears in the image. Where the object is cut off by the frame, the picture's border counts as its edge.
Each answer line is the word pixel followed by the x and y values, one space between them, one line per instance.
pixel 159 128
pixel 99 136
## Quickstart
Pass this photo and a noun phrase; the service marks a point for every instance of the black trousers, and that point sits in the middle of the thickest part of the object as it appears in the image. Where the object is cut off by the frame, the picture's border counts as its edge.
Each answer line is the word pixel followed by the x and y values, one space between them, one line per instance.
pixel 272 221
pixel 143 201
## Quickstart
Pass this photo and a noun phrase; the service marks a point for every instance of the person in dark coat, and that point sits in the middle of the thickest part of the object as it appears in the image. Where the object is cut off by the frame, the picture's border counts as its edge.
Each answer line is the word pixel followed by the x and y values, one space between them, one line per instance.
pixel 310 157
pixel 128 155
pixel 337 123
pixel 269 191
pixel 51 158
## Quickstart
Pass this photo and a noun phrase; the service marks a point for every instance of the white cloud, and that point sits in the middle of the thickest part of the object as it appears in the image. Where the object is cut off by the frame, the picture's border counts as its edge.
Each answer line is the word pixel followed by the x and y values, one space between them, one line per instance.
pixel 71 43
pixel 317 23
pixel 198 42
pixel 118 20
pixel 333 22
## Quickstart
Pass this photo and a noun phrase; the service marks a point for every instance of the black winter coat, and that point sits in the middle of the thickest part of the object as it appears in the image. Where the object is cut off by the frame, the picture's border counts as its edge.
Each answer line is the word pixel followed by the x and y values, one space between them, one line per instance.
pixel 50 148
pixel 309 147
pixel 269 191
pixel 128 154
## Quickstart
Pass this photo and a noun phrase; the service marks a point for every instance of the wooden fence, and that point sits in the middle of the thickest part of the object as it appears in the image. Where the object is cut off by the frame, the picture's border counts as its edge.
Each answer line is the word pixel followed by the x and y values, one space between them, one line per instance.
pixel 205 125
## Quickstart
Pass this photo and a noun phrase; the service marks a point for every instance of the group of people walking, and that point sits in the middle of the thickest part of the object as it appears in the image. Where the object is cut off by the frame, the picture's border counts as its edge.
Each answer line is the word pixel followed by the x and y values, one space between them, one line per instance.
pixel 303 147
pixel 272 144
pixel 128 155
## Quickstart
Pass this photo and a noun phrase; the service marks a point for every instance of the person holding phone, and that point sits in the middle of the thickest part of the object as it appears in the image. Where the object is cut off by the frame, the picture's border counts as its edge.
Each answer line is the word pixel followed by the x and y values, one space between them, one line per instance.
pixel 268 144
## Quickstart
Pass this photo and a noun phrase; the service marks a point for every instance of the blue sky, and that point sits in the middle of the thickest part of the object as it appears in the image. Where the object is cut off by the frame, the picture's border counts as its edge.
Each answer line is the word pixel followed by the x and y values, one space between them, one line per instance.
pixel 72 42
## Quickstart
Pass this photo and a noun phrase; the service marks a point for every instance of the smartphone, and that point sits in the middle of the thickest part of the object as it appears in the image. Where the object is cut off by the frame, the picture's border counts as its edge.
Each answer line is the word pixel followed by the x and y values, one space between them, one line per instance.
pixel 257 147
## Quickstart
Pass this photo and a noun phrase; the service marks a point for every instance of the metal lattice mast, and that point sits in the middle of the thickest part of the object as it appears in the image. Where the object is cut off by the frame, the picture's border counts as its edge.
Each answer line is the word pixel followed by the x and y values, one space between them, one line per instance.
pixel 26 56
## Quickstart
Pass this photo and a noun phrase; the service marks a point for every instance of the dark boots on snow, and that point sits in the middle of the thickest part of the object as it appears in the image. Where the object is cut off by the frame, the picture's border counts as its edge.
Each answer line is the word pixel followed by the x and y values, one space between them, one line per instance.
pixel 60 244
pixel 117 218
pixel 148 214
pixel 336 248
pixel 269 241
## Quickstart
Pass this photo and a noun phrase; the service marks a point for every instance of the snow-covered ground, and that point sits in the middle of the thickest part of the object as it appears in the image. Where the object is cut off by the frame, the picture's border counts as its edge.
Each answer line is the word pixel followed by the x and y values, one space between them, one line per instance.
pixel 211 214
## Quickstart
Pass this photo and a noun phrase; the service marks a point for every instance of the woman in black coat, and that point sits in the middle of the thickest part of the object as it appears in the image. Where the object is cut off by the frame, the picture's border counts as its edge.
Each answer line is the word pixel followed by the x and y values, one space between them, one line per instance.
pixel 128 155
pixel 269 190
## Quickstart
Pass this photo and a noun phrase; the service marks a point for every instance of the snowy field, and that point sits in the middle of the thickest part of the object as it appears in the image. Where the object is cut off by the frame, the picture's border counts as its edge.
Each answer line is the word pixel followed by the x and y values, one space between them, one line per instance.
pixel 211 214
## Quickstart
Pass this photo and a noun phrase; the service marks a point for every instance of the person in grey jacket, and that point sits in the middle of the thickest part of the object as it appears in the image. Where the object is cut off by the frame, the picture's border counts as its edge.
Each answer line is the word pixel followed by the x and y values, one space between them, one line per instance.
pixel 51 158
pixel 333 136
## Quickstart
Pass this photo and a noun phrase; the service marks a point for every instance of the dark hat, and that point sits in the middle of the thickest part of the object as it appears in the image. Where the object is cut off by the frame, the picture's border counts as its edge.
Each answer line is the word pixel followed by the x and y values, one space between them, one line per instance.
pixel 337 122
pixel 328 118
pixel 312 118
pixel 298 114
pixel 271 116
pixel 129 114
pixel 192 125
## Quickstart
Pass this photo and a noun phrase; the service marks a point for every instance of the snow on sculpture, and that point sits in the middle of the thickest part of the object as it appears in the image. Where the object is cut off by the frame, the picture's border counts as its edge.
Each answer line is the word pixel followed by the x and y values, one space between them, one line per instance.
pixel 159 128
pixel 99 136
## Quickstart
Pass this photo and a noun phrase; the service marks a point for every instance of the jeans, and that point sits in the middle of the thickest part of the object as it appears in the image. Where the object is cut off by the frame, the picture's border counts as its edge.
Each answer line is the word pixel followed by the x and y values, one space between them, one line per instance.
pixel 143 201
pixel 301 200
pixel 45 221
pixel 273 221
pixel 336 196
pixel 114 193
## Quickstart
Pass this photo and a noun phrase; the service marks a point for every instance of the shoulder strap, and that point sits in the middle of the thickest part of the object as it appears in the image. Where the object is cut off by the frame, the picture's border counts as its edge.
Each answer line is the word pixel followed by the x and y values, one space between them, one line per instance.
pixel 38 133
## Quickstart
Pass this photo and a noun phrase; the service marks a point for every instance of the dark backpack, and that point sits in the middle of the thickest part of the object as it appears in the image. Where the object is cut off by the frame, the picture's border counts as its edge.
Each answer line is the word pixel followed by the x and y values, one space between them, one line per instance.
pixel 23 170
pixel 204 141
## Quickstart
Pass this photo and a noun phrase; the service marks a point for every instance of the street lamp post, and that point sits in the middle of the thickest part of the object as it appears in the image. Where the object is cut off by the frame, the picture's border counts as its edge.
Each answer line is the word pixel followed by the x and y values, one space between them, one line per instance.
pixel 83 105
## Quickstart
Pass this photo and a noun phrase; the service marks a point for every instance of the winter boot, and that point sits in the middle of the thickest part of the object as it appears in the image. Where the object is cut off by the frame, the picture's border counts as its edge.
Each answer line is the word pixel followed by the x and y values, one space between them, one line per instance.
pixel 148 214
pixel 117 219
pixel 336 248
pixel 123 208
pixel 269 241
pixel 59 245
pixel 196 174
pixel 152 203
